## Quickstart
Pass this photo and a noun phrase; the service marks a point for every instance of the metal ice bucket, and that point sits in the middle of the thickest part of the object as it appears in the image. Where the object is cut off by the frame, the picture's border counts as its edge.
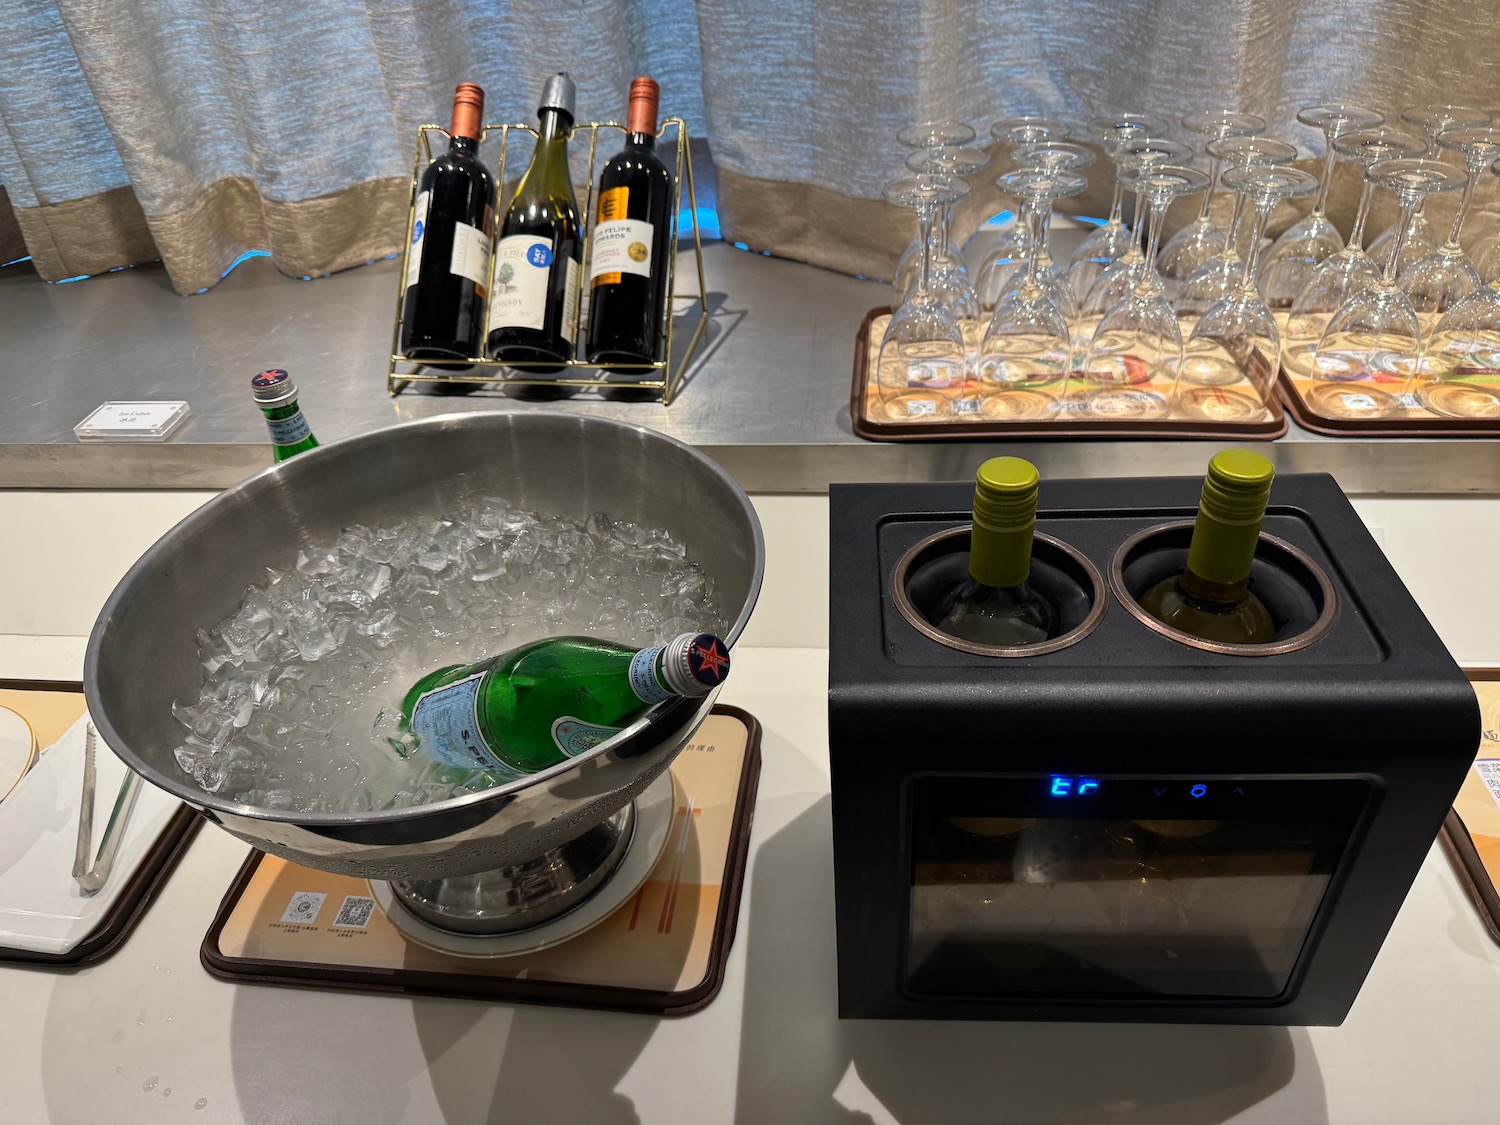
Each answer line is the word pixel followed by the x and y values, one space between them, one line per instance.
pixel 142 653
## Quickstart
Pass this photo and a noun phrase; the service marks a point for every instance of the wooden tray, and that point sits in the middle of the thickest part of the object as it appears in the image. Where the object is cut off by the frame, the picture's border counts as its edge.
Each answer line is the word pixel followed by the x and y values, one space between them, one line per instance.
pixel 53 707
pixel 1471 832
pixel 1412 416
pixel 663 951
pixel 863 403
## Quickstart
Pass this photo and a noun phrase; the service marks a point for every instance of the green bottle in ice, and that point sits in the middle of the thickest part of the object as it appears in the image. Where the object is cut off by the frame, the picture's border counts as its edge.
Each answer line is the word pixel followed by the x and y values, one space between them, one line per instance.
pixel 539 704
pixel 276 395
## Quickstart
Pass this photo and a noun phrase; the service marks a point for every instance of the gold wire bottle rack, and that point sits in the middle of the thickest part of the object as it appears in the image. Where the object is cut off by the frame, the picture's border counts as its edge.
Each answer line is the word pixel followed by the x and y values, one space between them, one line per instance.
pixel 664 374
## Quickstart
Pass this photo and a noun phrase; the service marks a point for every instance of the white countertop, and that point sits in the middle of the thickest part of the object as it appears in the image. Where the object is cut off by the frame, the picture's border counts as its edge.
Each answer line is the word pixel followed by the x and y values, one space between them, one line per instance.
pixel 106 1043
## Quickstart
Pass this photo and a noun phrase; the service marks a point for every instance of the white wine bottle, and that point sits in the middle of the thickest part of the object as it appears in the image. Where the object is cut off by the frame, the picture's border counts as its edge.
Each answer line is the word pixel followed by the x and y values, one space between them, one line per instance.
pixel 539 256
pixel 1211 599
pixel 996 604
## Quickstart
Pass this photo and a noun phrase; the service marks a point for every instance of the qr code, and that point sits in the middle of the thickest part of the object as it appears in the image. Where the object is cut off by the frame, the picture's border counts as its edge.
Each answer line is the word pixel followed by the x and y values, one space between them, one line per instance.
pixel 304 907
pixel 1488 770
pixel 355 913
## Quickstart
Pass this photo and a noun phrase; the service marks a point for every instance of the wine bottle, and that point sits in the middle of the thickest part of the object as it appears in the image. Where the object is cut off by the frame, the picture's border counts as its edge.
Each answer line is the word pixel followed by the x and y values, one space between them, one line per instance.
pixel 628 249
pixel 276 395
pixel 542 703
pixel 1211 598
pixel 996 604
pixel 534 308
pixel 448 265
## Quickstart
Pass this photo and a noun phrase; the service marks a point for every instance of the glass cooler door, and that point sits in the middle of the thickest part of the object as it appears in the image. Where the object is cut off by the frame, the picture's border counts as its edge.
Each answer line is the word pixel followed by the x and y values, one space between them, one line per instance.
pixel 1091 888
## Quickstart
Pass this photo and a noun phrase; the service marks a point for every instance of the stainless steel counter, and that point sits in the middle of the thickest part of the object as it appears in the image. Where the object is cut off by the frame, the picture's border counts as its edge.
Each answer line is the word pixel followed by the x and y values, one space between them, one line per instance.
pixel 767 397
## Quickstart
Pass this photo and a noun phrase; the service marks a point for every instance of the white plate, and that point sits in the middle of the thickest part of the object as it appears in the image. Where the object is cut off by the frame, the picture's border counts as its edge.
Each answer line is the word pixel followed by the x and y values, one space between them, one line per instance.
pixel 17 750
pixel 41 908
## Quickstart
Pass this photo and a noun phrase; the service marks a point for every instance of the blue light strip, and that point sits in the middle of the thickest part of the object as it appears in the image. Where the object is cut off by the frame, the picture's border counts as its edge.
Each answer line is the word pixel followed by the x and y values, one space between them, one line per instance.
pixel 15 261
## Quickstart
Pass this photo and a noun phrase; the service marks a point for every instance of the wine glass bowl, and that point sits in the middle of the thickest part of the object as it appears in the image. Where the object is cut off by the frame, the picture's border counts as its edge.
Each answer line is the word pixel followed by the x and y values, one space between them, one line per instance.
pixel 1217 278
pixel 1026 355
pixel 1311 240
pixel 1375 338
pixel 1136 348
pixel 1112 241
pixel 1200 240
pixel 1350 270
pixel 1237 341
pixel 921 366
pixel 1443 277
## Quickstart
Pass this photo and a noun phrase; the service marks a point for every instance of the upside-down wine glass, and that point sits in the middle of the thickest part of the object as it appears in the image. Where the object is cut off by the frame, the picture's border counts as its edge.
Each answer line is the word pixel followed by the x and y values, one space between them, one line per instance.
pixel 949 280
pixel 1027 351
pixel 921 137
pixel 921 369
pixel 1007 254
pixel 1432 120
pixel 1465 355
pixel 1136 348
pixel 1310 241
pixel 1373 345
pixel 1142 155
pixel 1049 156
pixel 1217 278
pixel 1439 280
pixel 1200 240
pixel 1236 346
pixel 1338 278
pixel 1110 242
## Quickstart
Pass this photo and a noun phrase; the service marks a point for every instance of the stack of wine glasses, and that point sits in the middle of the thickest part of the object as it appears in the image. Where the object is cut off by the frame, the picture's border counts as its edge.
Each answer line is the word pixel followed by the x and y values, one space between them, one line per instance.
pixel 1198 328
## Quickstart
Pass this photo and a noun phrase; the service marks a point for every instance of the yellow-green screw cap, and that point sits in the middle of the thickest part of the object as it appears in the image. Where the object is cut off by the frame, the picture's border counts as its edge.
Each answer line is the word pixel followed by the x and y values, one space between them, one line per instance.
pixel 1005 492
pixel 1230 512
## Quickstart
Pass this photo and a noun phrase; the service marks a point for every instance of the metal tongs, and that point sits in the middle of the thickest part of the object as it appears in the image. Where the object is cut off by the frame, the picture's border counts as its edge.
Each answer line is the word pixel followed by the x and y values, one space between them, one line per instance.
pixel 90 879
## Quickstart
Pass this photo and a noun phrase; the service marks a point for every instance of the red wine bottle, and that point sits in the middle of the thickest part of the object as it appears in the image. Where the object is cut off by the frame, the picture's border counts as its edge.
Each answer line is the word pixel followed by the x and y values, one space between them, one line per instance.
pixel 448 268
pixel 534 309
pixel 631 239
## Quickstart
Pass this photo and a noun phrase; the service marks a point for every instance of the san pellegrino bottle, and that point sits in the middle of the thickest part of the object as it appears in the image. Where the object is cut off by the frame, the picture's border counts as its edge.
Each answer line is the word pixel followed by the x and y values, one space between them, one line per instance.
pixel 539 704
pixel 276 395
pixel 534 308
pixel 448 264
pixel 628 248
pixel 1212 598
pixel 996 605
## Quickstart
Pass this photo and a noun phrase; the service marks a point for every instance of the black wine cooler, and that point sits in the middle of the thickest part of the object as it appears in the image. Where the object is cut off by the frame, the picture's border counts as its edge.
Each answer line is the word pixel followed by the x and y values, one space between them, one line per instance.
pixel 1125 823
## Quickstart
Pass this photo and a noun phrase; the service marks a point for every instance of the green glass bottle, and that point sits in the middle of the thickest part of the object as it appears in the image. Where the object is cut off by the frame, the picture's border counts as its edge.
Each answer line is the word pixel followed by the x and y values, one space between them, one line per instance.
pixel 533 317
pixel 276 395
pixel 996 605
pixel 542 703
pixel 1211 598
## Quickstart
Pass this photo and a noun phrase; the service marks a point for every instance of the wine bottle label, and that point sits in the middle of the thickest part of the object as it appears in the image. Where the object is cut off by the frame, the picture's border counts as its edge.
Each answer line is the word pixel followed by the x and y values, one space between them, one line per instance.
pixel 570 303
pixel 522 265
pixel 471 255
pixel 643 679
pixel 446 719
pixel 620 245
pixel 418 229
pixel 574 736
pixel 288 431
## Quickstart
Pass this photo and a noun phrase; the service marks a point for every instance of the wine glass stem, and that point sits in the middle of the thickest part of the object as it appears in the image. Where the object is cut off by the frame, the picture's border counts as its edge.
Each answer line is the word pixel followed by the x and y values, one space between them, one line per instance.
pixel 1322 197
pixel 1463 207
pixel 1357 232
pixel 924 219
pixel 1232 248
pixel 1263 208
pixel 1116 204
pixel 1039 211
pixel 1403 226
pixel 1208 196
pixel 1153 233
pixel 940 231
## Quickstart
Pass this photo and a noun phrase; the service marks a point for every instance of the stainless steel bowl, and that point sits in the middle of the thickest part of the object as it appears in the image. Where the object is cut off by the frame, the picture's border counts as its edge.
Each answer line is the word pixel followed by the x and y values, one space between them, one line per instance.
pixel 142 653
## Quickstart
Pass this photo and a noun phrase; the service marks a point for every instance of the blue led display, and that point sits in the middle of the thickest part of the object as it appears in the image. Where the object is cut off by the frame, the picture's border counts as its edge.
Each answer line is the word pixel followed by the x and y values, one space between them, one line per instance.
pixel 1073 787
pixel 1199 790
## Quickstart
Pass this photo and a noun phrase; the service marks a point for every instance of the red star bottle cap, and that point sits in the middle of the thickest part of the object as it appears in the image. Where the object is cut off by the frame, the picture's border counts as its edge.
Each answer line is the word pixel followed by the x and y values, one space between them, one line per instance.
pixel 695 663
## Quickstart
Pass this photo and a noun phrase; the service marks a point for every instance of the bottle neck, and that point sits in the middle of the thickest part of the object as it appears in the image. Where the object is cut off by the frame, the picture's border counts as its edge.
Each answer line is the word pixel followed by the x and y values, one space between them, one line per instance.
pixel 555 128
pixel 1213 595
pixel 1221 552
pixel 646 141
pixel 466 145
pixel 1000 558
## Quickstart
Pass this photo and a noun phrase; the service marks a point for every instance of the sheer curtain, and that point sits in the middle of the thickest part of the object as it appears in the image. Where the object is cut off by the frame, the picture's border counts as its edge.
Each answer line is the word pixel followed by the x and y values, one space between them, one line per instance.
pixel 138 129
